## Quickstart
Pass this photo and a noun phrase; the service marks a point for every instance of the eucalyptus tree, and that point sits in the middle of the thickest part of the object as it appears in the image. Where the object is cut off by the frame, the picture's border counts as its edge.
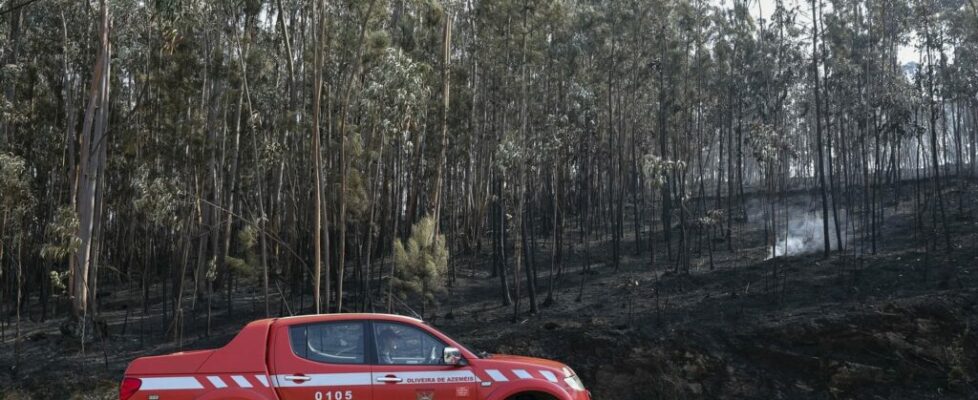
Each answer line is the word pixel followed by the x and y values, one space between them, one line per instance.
pixel 393 105
pixel 517 32
pixel 319 23
pixel 774 78
pixel 17 202
pixel 931 33
pixel 189 145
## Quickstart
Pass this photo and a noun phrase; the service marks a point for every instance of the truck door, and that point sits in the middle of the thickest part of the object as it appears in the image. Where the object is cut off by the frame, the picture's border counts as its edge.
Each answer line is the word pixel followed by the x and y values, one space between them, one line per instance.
pixel 409 366
pixel 322 361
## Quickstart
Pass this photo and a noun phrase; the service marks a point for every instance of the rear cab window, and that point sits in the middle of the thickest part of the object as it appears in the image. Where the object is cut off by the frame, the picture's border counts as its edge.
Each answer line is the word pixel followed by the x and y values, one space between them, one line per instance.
pixel 340 342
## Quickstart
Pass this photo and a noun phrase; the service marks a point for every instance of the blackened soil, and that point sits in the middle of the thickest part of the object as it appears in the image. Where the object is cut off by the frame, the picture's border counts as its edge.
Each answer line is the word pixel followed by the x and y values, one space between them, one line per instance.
pixel 898 324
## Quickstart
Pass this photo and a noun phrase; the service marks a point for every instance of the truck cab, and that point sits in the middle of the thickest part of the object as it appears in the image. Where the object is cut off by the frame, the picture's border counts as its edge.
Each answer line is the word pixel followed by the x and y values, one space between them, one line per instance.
pixel 347 357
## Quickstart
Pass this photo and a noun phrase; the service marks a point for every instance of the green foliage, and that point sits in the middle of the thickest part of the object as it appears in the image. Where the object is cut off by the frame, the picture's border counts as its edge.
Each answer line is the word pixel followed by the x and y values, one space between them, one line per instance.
pixel 270 152
pixel 211 274
pixel 160 199
pixel 395 93
pixel 420 262
pixel 248 265
pixel 248 236
pixel 510 153
pixel 9 112
pixel 62 235
pixel 357 202
pixel 434 13
pixel 15 186
pixel 657 170
pixel 768 144
pixel 59 282
pixel 378 42
pixel 239 266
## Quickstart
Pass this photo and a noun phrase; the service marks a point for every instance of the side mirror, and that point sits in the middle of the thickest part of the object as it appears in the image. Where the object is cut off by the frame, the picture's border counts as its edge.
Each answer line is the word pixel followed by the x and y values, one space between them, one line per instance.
pixel 452 356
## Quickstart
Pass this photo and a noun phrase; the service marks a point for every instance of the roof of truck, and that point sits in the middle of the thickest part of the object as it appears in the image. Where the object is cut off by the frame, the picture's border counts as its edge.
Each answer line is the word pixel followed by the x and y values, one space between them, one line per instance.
pixel 303 319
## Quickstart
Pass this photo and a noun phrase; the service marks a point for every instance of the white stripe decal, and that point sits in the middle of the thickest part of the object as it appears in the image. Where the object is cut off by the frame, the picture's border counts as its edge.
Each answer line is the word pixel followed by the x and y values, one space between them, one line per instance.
pixel 263 379
pixel 348 379
pixel 496 375
pixel 428 377
pixel 549 375
pixel 241 381
pixel 170 383
pixel 522 374
pixel 217 382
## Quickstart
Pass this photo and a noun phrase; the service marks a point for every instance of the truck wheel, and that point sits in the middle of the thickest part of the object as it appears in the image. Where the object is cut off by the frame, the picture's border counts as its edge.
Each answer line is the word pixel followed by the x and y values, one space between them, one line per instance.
pixel 532 396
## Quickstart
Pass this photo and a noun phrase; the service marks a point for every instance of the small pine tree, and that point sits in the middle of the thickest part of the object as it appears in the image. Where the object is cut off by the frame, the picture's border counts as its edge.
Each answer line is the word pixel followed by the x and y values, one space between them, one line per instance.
pixel 249 263
pixel 420 263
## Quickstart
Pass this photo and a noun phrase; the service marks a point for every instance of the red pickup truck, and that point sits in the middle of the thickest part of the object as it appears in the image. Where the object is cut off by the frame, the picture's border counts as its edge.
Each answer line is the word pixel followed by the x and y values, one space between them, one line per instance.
pixel 346 357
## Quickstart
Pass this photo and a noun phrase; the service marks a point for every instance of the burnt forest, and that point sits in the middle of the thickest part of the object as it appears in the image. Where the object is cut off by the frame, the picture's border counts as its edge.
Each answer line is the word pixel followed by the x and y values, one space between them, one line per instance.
pixel 682 199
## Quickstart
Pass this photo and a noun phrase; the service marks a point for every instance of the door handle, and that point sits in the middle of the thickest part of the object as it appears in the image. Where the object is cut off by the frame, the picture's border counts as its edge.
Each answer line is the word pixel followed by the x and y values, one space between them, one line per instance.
pixel 389 379
pixel 297 378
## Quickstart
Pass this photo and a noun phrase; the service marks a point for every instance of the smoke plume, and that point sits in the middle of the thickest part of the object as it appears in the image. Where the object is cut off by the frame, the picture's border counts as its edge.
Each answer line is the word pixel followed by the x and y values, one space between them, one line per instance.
pixel 804 235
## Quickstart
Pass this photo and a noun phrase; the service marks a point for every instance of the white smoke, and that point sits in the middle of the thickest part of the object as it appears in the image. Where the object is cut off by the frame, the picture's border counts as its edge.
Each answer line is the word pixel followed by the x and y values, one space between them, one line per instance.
pixel 804 235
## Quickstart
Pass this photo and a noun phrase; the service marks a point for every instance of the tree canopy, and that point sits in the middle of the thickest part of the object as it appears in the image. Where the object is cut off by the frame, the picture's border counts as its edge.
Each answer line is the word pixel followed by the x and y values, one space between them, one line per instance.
pixel 193 147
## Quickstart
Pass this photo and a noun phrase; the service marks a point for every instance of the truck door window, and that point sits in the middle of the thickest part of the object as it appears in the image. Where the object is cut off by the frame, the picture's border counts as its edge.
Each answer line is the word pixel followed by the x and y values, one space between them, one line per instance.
pixel 332 342
pixel 399 344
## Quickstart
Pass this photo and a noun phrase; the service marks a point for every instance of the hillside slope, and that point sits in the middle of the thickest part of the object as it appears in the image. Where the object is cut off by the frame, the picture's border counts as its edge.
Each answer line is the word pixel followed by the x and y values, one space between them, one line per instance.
pixel 900 324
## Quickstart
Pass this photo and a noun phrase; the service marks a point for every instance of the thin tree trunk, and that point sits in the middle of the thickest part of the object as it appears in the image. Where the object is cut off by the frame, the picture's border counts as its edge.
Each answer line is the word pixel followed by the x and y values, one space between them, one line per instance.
pixel 91 140
pixel 316 157
pixel 818 133
pixel 446 88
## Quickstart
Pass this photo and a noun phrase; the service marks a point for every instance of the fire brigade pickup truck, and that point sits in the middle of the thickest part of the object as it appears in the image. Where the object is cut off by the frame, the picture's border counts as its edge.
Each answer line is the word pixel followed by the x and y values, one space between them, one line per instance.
pixel 346 357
